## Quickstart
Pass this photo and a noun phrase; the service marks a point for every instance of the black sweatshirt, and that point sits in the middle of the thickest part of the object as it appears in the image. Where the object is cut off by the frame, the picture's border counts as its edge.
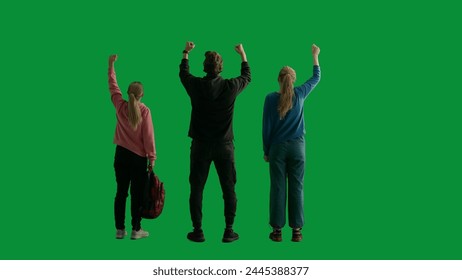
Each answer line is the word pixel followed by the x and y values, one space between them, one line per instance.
pixel 212 100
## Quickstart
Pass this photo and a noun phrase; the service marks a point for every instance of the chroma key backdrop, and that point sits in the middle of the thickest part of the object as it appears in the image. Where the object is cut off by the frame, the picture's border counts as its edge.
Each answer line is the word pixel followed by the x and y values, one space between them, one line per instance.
pixel 383 138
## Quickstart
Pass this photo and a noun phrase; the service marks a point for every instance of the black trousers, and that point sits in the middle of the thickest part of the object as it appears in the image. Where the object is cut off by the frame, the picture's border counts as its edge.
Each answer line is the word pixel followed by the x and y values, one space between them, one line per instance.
pixel 130 171
pixel 202 155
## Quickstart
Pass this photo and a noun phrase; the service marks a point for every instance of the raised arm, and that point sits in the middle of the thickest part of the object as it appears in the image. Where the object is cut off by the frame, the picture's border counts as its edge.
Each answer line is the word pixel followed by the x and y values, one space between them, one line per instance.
pixel 240 50
pixel 244 79
pixel 309 85
pixel 116 94
pixel 189 46
pixel 185 76
pixel 315 50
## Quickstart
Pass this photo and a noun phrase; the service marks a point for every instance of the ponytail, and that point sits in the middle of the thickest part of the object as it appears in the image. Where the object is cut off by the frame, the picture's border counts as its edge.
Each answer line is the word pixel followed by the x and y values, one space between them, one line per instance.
pixel 135 91
pixel 286 80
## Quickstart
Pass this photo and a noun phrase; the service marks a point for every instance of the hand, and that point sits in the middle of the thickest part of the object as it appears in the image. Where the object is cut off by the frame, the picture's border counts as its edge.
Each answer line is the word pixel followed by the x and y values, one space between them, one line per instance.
pixel 239 49
pixel 315 50
pixel 112 58
pixel 189 46
pixel 150 167
pixel 266 158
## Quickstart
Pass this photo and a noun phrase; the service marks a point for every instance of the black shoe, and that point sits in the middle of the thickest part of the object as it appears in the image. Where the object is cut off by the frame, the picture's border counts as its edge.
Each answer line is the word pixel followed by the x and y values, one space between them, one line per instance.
pixel 197 235
pixel 276 235
pixel 297 235
pixel 230 236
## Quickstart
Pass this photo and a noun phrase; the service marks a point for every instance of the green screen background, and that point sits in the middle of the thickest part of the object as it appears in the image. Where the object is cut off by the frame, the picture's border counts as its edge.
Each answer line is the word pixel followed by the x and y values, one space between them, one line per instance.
pixel 383 176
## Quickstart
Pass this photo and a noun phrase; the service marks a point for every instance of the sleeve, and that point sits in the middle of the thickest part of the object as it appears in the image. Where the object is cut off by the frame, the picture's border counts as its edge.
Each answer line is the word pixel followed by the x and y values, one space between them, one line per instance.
pixel 185 76
pixel 238 84
pixel 309 85
pixel 116 94
pixel 266 126
pixel 148 137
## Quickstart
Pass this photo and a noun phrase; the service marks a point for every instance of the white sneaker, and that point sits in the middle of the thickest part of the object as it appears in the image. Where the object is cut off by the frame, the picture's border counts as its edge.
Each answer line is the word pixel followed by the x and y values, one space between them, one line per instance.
pixel 139 234
pixel 120 234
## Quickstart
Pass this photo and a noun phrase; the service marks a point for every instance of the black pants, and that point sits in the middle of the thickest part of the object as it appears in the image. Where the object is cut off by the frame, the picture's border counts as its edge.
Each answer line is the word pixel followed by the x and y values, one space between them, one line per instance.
pixel 130 171
pixel 202 155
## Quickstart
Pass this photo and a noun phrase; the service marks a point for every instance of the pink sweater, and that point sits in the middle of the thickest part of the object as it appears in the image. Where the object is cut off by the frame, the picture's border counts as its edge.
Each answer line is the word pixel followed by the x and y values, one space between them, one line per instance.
pixel 140 141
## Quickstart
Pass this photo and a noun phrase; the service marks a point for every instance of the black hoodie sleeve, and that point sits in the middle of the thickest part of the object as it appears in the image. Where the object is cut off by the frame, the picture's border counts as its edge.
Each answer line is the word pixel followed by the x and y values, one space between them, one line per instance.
pixel 238 84
pixel 185 76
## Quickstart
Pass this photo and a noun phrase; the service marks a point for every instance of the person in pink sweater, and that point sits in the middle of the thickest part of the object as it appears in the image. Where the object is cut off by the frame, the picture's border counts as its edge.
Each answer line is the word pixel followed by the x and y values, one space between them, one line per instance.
pixel 136 150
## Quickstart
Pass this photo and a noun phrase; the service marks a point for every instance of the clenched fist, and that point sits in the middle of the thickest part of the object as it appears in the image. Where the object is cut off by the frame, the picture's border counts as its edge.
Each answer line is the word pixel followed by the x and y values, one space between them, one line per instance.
pixel 189 46
pixel 315 50
pixel 239 49
pixel 112 58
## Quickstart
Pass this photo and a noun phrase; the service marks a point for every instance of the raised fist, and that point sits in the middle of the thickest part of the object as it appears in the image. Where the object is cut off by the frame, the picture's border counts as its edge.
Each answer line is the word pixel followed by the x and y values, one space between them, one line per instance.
pixel 315 49
pixel 189 46
pixel 112 58
pixel 239 49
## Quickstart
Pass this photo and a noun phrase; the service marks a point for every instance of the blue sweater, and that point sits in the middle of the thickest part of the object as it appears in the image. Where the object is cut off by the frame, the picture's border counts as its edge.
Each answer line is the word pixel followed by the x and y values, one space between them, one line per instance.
pixel 292 126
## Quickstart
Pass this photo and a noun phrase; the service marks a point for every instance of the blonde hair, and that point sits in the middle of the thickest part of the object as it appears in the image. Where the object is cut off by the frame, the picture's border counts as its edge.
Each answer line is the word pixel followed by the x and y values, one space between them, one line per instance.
pixel 286 80
pixel 135 92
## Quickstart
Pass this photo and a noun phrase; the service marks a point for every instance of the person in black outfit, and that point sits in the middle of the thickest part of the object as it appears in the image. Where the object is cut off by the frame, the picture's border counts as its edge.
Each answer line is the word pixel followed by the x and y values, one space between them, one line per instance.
pixel 211 130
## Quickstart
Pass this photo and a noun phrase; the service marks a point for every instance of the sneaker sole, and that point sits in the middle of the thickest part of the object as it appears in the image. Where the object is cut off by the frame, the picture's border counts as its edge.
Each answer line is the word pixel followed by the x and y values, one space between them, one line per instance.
pixel 229 240
pixel 196 240
pixel 136 238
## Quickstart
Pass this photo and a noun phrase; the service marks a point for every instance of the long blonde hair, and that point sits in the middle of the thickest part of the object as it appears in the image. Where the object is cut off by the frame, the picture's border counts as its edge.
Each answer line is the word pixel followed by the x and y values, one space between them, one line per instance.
pixel 135 92
pixel 286 81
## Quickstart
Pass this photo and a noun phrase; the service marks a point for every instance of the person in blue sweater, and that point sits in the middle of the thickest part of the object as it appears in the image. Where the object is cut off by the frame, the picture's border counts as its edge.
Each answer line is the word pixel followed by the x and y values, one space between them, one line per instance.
pixel 284 148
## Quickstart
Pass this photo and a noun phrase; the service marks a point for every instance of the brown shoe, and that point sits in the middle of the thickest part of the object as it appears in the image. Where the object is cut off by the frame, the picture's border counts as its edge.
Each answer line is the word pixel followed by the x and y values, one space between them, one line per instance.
pixel 297 235
pixel 276 235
